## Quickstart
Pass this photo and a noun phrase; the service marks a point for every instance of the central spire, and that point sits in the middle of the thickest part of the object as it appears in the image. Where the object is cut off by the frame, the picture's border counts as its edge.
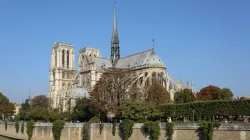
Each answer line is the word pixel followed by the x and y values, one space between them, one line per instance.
pixel 115 48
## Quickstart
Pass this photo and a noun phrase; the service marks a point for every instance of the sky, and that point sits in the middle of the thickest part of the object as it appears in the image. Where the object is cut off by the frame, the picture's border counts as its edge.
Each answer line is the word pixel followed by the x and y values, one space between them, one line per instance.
pixel 207 41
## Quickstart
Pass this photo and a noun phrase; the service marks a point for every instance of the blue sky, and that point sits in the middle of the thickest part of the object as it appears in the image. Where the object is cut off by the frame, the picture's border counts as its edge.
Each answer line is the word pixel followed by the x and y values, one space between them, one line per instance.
pixel 206 41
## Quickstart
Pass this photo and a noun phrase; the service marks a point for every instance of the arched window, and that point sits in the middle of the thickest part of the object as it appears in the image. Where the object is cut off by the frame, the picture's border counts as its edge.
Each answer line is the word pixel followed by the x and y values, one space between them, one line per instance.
pixel 154 78
pixel 63 57
pixel 147 82
pixel 146 74
pixel 141 80
pixel 67 59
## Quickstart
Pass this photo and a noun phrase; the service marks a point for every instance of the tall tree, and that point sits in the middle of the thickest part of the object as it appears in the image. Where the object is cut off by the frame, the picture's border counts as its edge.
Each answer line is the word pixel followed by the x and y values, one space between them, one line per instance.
pixel 40 101
pixel 226 94
pixel 6 107
pixel 24 110
pixel 111 89
pixel 157 94
pixel 184 96
pixel 209 93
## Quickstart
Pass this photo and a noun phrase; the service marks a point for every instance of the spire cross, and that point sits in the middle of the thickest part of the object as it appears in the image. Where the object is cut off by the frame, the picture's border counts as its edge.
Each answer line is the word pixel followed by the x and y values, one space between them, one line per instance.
pixel 153 43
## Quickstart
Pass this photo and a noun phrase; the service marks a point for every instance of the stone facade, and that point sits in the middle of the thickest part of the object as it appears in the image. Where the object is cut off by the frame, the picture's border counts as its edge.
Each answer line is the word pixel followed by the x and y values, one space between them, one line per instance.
pixel 43 131
pixel 67 84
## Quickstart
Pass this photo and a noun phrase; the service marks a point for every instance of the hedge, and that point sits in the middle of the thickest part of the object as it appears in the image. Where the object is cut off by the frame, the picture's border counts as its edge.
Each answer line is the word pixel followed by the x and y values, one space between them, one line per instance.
pixel 200 110
pixel 207 109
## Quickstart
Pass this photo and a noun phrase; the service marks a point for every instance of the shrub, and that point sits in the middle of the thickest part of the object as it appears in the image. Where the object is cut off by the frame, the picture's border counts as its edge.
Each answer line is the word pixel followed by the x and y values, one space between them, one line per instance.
pixel 170 130
pixel 207 129
pixel 114 128
pixel 57 128
pixel 101 128
pixel 6 125
pixel 152 129
pixel 85 131
pixel 17 127
pixel 30 127
pixel 126 129
pixel 22 127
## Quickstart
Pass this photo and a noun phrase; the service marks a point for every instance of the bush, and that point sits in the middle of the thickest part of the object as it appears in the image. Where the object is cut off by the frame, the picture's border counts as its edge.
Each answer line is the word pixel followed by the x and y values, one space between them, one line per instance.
pixel 17 127
pixel 114 128
pixel 170 130
pixel 6 125
pixel 152 129
pixel 22 128
pixel 30 127
pixel 85 131
pixel 57 128
pixel 126 129
pixel 207 129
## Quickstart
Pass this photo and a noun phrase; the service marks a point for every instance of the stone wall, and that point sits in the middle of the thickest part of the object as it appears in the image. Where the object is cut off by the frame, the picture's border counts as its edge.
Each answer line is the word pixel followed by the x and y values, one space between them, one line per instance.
pixel 73 131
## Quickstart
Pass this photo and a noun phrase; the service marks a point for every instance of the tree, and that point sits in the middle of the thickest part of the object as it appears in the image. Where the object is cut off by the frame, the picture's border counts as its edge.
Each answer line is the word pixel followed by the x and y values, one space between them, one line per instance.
pixel 40 101
pixel 157 94
pixel 111 89
pixel 81 111
pixel 6 107
pixel 23 113
pixel 209 93
pixel 184 96
pixel 226 94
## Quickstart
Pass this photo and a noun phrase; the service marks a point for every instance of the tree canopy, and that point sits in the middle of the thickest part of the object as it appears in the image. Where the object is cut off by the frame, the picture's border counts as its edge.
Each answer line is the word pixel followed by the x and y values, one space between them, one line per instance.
pixel 111 89
pixel 214 93
pixel 184 96
pixel 6 107
pixel 157 94
pixel 40 101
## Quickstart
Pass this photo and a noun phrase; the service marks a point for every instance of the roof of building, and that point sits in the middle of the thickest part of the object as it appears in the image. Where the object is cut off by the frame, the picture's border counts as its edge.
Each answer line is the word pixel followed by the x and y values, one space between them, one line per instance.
pixel 143 59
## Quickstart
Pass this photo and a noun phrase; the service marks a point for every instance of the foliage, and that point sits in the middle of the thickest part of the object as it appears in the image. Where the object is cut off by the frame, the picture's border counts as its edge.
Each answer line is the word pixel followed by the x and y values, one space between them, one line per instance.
pixel 86 131
pixel 137 111
pixel 81 111
pixel 207 129
pixel 30 127
pixel 170 130
pixel 22 128
pixel 226 94
pixel 86 126
pixel 111 89
pixel 157 94
pixel 126 129
pixel 17 126
pixel 214 93
pixel 152 129
pixel 6 107
pixel 6 125
pixel 184 96
pixel 23 112
pixel 57 128
pixel 40 101
pixel 207 109
pixel 114 128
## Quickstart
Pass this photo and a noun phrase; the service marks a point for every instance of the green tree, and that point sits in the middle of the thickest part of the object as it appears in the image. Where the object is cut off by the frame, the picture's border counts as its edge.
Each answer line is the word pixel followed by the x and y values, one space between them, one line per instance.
pixel 226 94
pixel 157 94
pixel 57 128
pixel 24 110
pixel 40 101
pixel 81 111
pixel 184 96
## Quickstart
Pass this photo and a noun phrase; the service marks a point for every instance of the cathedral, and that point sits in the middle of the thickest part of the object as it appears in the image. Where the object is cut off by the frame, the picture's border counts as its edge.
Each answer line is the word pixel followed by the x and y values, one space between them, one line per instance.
pixel 66 84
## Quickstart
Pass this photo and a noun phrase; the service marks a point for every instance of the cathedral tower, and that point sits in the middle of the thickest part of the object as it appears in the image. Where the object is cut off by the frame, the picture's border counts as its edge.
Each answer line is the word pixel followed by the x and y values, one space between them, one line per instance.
pixel 115 48
pixel 62 70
